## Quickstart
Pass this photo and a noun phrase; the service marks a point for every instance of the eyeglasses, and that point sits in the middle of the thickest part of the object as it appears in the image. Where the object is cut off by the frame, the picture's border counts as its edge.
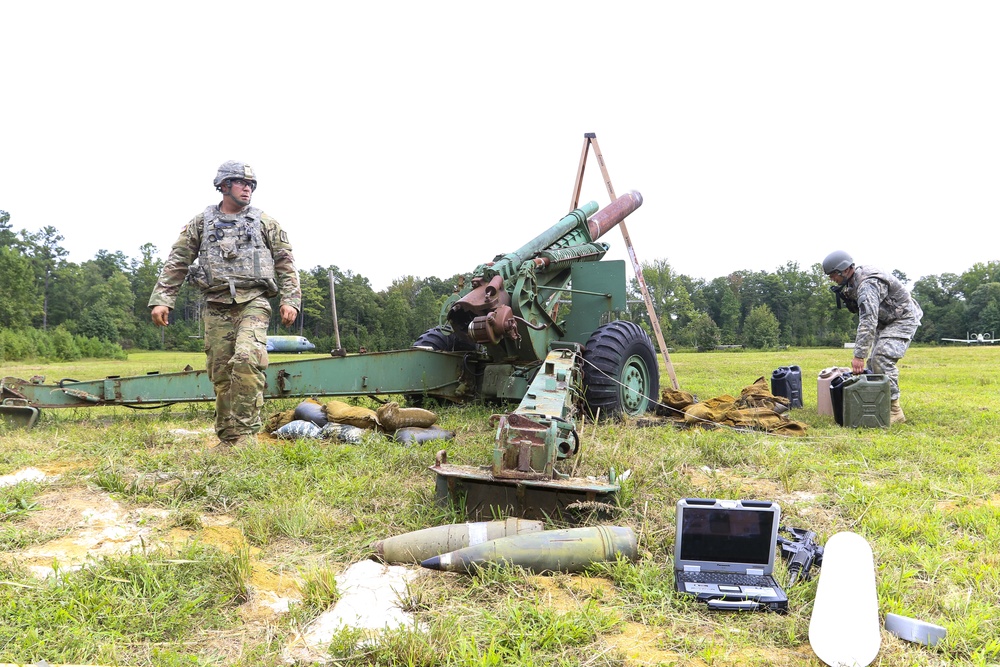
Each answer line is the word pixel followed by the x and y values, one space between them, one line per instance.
pixel 241 183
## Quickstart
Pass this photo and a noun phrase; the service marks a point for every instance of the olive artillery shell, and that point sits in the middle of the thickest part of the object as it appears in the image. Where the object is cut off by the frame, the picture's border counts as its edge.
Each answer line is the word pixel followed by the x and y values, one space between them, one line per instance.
pixel 568 550
pixel 423 544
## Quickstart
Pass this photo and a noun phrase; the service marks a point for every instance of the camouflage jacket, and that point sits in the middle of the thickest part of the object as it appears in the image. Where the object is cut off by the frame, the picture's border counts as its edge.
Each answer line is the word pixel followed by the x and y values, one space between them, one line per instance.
pixel 185 251
pixel 882 300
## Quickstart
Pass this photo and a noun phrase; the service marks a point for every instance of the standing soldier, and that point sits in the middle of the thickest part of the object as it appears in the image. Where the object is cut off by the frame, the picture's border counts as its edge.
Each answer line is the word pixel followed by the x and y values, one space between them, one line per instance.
pixel 238 256
pixel 887 319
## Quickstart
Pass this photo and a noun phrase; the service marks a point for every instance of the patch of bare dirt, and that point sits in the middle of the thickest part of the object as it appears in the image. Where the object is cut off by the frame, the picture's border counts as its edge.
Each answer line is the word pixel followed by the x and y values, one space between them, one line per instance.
pixel 638 643
pixel 94 525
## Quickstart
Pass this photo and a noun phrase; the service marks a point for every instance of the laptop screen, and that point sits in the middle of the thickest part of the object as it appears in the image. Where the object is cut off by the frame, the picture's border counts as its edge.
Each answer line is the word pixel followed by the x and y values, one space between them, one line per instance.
pixel 725 535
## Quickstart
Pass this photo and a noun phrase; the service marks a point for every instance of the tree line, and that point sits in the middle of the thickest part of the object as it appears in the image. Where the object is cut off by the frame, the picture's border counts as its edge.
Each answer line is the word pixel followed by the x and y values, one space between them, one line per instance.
pixel 102 301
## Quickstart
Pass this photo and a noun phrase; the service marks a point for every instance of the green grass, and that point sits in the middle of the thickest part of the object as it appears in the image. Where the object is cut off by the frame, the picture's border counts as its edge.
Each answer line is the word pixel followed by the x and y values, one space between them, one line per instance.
pixel 119 609
pixel 925 494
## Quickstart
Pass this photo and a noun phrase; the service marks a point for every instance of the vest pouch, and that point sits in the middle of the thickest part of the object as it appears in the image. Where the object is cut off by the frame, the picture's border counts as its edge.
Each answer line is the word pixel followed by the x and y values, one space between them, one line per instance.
pixel 197 276
pixel 227 248
pixel 270 288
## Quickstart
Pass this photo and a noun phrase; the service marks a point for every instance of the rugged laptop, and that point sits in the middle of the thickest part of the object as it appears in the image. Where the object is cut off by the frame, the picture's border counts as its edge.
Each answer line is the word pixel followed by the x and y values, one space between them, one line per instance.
pixel 724 553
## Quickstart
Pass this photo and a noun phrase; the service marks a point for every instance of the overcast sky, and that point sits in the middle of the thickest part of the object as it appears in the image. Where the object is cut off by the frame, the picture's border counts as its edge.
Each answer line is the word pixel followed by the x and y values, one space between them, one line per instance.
pixel 423 138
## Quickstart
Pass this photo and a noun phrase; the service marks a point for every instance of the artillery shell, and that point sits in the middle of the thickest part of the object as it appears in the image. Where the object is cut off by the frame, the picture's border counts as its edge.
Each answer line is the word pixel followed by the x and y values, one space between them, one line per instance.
pixel 568 550
pixel 423 544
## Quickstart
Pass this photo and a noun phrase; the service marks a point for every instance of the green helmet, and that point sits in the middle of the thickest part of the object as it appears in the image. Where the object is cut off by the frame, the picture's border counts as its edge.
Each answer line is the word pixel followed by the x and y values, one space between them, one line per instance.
pixel 838 260
pixel 234 169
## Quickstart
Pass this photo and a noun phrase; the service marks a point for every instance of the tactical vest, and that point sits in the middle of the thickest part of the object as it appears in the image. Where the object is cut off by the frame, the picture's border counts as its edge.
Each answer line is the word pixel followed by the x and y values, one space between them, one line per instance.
pixel 897 304
pixel 234 254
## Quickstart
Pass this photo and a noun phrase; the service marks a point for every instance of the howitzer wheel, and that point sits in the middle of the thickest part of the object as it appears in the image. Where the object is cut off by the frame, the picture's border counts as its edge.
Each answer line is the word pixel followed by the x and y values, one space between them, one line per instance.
pixel 621 374
pixel 436 339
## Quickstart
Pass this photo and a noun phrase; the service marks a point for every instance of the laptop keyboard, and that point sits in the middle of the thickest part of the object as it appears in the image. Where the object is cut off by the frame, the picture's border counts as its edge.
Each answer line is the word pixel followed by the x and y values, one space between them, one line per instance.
pixel 726 578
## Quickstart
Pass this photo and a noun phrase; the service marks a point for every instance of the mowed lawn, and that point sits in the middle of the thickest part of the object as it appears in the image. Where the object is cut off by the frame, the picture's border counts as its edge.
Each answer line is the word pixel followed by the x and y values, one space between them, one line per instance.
pixel 200 543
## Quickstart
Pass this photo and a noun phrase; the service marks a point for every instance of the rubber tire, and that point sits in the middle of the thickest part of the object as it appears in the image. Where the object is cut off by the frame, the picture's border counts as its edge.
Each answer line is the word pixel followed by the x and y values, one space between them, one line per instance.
pixel 442 342
pixel 621 373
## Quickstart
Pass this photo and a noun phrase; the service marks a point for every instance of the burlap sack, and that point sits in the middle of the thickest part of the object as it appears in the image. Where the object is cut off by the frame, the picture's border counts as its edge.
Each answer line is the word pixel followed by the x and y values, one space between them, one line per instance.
pixel 393 417
pixel 355 415
pixel 279 419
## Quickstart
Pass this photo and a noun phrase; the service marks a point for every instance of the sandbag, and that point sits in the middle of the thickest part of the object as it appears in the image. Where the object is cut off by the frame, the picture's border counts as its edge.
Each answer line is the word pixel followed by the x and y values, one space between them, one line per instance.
pixel 393 417
pixel 279 419
pixel 310 410
pixel 299 428
pixel 341 433
pixel 355 415
pixel 415 434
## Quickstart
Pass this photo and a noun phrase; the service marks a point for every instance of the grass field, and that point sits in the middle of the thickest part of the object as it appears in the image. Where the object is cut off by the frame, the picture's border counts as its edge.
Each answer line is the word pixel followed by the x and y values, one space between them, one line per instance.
pixel 190 551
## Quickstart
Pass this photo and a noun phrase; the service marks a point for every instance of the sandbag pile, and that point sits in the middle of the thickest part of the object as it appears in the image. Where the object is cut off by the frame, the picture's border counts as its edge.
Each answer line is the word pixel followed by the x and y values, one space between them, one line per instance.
pixel 336 420
pixel 756 408
pixel 300 428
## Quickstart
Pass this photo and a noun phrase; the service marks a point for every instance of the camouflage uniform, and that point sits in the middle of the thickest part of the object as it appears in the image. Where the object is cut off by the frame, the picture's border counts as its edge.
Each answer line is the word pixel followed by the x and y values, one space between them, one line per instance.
pixel 888 317
pixel 236 319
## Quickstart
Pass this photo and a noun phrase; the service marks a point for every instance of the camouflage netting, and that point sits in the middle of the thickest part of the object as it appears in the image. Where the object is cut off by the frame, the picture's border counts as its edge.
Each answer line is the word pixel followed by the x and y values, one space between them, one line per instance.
pixel 756 408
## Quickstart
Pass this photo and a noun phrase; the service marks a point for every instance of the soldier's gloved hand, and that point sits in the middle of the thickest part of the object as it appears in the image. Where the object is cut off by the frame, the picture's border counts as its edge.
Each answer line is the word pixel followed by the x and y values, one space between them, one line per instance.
pixel 160 315
pixel 288 315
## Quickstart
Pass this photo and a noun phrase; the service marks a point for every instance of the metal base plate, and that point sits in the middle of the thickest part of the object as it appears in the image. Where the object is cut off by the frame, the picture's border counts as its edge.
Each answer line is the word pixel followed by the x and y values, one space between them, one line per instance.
pixel 486 497
pixel 18 414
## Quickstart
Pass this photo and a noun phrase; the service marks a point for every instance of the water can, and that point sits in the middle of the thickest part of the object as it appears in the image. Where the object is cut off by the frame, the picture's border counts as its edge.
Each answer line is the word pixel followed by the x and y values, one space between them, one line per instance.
pixel 866 401
pixel 787 381
pixel 824 402
pixel 837 396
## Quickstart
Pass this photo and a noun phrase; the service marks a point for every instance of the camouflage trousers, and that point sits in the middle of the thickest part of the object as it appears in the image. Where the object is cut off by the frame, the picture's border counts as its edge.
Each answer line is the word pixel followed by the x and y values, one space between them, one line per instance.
pixel 236 347
pixel 889 347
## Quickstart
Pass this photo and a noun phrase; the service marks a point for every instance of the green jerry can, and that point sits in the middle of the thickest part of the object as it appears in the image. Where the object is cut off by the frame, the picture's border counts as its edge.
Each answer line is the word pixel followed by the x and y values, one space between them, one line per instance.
pixel 866 401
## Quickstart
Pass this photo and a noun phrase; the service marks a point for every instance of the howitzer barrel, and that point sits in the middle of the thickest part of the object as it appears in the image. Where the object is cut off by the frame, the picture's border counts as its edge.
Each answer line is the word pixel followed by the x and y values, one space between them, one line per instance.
pixel 574 219
pixel 609 216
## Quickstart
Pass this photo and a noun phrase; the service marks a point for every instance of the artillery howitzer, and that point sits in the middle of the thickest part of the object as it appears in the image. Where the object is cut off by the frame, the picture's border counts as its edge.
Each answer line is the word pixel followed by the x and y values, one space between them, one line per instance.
pixel 501 337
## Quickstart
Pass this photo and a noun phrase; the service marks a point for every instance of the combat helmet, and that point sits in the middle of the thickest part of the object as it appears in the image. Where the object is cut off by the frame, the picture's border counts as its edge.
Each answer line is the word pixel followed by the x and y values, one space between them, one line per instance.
pixel 838 260
pixel 234 169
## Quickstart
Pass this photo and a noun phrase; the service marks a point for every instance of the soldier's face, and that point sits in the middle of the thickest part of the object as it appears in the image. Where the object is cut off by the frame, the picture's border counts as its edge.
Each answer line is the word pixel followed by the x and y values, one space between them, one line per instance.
pixel 238 190
pixel 840 277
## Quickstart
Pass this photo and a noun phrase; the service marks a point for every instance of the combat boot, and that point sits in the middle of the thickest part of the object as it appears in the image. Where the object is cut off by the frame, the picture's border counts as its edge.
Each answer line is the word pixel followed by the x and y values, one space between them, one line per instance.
pixel 896 415
pixel 223 446
pixel 245 440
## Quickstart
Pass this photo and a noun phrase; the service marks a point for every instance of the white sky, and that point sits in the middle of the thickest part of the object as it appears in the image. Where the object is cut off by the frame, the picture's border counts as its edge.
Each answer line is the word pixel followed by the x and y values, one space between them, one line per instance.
pixel 423 138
